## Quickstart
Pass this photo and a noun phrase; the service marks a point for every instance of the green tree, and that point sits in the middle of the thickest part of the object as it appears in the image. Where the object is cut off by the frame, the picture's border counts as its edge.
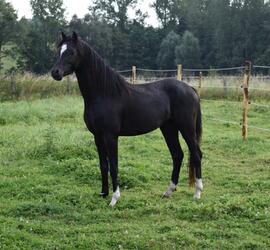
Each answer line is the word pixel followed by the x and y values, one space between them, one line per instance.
pixel 112 11
pixel 8 19
pixel 144 45
pixel 38 45
pixel 167 11
pixel 115 14
pixel 215 33
pixel 166 55
pixel 188 52
pixel 96 32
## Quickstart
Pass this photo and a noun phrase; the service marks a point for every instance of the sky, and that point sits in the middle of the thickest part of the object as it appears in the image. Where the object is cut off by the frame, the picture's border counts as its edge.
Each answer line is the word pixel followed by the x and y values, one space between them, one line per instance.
pixel 80 8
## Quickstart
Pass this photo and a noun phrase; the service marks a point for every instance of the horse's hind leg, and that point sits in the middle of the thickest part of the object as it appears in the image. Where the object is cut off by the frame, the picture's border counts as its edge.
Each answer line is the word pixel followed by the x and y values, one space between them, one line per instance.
pixel 189 135
pixel 170 133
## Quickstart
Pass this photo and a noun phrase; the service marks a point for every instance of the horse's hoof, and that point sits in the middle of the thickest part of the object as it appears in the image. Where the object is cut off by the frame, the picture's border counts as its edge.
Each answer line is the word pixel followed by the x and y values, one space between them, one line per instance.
pixel 115 197
pixel 198 189
pixel 171 189
pixel 167 195
pixel 104 195
pixel 197 196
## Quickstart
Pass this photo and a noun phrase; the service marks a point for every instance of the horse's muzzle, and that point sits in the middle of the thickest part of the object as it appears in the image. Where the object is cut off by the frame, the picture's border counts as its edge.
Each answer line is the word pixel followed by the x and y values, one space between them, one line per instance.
pixel 57 74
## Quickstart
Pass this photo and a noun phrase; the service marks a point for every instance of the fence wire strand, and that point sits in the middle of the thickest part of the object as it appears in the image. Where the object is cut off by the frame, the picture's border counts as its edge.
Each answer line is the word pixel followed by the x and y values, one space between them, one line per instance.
pixel 157 70
pixel 261 129
pixel 261 67
pixel 236 123
pixel 222 101
pixel 251 88
pixel 220 87
pixel 209 70
pixel 124 71
pixel 223 121
pixel 260 105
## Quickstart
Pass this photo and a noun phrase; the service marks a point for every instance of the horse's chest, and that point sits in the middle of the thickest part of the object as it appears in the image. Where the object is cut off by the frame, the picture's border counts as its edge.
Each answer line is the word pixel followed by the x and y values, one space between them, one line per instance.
pixel 100 119
pixel 89 122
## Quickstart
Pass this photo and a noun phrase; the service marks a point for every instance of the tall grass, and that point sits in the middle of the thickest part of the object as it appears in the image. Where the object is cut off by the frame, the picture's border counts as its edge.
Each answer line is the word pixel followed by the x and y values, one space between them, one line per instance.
pixel 30 86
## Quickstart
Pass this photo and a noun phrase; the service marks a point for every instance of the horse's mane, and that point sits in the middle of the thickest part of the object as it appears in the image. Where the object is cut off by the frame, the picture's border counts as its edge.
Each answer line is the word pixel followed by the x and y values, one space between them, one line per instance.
pixel 103 77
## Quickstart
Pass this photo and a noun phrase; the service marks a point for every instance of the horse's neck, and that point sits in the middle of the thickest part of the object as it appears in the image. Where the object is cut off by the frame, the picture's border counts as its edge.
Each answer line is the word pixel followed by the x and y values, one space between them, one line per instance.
pixel 84 81
pixel 91 77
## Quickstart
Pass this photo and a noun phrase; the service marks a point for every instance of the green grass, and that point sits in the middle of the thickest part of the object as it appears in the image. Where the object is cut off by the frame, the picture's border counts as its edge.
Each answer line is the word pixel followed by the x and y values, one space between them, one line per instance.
pixel 50 184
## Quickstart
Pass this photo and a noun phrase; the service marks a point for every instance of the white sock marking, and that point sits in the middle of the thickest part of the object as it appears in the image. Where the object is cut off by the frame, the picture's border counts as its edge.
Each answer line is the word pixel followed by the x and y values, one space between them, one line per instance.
pixel 172 187
pixel 63 49
pixel 115 197
pixel 198 188
pixel 170 190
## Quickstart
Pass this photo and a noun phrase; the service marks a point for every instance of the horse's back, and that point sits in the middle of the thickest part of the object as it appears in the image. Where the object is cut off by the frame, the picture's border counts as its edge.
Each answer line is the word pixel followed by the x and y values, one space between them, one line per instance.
pixel 171 86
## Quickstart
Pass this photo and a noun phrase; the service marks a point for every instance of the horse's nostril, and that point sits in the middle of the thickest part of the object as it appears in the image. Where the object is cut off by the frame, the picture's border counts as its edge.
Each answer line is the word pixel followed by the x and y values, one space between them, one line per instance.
pixel 55 72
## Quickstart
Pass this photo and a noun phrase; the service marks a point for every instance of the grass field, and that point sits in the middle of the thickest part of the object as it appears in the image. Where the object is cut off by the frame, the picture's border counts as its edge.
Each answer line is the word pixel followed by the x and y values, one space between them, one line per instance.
pixel 50 184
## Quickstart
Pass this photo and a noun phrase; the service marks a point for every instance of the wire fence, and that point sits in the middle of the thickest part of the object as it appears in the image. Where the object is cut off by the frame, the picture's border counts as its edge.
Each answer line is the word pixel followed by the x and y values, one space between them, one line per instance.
pixel 227 82
pixel 248 93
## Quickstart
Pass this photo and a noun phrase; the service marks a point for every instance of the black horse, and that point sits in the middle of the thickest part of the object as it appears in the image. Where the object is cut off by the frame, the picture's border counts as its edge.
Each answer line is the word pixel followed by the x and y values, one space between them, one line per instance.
pixel 113 108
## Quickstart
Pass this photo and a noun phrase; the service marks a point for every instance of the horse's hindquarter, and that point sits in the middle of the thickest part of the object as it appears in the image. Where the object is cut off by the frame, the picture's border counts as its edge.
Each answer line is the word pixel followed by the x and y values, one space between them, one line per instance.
pixel 145 109
pixel 184 101
pixel 149 106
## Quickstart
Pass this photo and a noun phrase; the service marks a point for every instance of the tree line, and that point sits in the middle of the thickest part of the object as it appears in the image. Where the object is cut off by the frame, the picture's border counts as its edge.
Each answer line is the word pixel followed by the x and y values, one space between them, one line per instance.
pixel 195 33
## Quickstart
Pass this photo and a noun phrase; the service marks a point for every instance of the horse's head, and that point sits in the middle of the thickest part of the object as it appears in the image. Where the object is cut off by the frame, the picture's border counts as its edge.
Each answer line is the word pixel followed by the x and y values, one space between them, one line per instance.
pixel 69 56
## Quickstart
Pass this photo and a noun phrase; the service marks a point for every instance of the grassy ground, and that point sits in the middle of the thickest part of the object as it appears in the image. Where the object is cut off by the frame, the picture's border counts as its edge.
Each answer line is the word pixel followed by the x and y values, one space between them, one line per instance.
pixel 50 181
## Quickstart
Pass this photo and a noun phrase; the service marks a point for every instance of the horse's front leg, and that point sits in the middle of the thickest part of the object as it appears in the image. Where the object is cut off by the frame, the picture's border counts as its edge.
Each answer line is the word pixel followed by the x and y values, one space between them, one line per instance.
pixel 103 163
pixel 111 142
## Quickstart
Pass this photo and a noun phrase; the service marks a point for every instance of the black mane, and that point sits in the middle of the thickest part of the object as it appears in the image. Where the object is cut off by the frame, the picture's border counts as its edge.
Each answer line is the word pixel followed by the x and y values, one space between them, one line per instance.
pixel 103 77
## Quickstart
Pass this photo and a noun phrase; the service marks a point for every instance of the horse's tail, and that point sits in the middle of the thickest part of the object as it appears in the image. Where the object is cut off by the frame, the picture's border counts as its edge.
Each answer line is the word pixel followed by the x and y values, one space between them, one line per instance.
pixel 198 126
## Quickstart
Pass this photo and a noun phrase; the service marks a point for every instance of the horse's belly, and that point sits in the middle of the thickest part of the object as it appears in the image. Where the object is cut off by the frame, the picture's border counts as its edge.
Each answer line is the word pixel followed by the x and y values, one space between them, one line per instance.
pixel 136 130
pixel 137 123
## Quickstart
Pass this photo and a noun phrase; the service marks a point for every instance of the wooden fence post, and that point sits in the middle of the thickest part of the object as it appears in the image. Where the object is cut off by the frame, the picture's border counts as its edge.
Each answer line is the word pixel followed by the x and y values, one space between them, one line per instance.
pixel 200 83
pixel 133 79
pixel 247 71
pixel 179 72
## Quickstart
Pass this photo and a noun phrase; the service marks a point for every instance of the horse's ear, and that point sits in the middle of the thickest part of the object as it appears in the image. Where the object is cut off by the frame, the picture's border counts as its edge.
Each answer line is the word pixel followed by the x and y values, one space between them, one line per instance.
pixel 63 36
pixel 74 36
